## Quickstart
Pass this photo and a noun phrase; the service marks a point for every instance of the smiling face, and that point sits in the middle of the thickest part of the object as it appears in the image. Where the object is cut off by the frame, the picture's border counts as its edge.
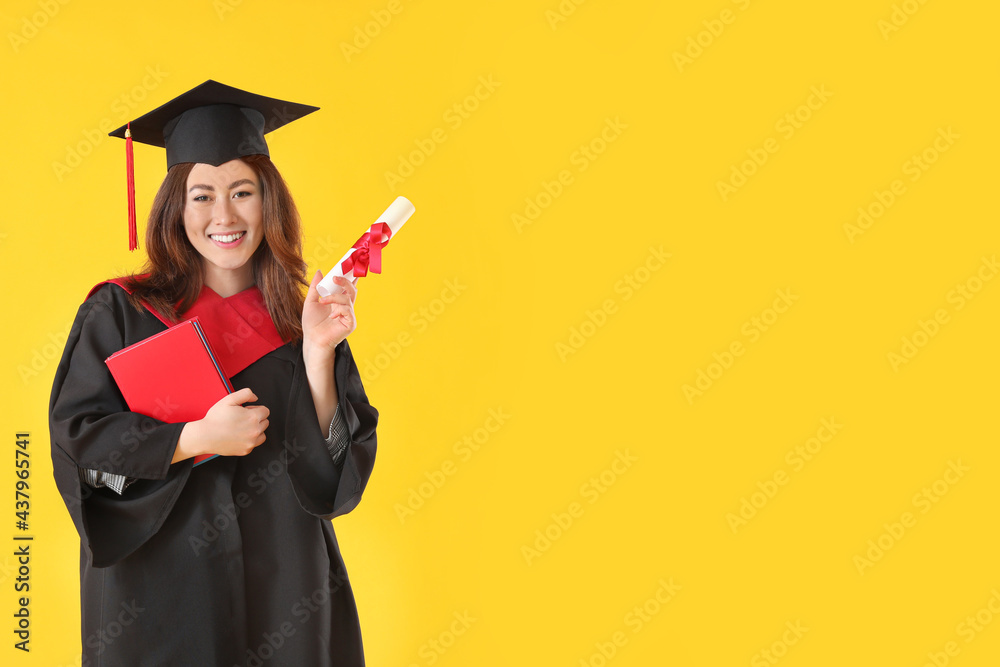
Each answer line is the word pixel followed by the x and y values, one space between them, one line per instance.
pixel 223 221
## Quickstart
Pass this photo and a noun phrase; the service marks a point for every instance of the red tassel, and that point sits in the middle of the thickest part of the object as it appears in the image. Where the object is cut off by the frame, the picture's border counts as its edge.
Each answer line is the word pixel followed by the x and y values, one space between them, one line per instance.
pixel 133 235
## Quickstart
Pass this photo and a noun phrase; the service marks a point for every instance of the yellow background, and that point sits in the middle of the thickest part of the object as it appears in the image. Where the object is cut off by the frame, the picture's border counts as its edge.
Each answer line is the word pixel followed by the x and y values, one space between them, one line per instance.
pixel 71 68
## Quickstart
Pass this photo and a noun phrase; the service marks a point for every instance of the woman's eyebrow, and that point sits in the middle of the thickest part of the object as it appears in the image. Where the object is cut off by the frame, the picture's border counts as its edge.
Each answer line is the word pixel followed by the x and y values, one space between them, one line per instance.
pixel 233 185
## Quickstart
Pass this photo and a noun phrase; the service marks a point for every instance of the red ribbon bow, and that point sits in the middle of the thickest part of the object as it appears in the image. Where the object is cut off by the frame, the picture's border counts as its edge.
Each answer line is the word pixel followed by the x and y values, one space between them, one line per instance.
pixel 368 251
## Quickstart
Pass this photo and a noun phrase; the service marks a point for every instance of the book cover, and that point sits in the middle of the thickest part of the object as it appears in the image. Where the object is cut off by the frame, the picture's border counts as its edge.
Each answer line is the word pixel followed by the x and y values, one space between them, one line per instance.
pixel 172 376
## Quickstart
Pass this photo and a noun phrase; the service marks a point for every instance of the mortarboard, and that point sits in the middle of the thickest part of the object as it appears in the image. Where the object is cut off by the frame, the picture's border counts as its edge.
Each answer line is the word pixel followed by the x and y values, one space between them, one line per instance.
pixel 212 123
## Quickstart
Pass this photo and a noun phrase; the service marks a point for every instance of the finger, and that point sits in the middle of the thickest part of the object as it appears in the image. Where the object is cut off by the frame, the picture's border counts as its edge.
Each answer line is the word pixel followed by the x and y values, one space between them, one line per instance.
pixel 244 395
pixel 313 293
pixel 257 413
pixel 346 322
pixel 340 296
pixel 339 310
pixel 344 291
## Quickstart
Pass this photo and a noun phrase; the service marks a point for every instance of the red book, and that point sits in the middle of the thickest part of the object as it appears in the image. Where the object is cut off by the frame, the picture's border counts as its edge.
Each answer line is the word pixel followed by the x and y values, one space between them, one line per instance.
pixel 172 376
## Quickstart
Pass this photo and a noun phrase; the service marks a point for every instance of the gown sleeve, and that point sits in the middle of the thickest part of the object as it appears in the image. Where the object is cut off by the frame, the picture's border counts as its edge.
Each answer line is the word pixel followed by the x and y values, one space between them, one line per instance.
pixel 325 484
pixel 337 441
pixel 92 428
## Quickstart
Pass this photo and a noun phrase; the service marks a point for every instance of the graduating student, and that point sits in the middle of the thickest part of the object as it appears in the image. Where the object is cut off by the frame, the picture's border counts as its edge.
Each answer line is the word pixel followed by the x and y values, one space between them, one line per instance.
pixel 233 561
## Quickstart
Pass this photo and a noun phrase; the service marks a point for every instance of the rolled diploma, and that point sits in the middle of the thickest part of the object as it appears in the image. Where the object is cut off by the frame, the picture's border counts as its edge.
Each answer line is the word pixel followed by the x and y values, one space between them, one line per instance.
pixel 395 216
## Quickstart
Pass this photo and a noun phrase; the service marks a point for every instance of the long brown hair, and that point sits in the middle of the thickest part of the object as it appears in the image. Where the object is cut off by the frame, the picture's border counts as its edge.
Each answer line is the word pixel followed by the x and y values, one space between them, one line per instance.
pixel 172 278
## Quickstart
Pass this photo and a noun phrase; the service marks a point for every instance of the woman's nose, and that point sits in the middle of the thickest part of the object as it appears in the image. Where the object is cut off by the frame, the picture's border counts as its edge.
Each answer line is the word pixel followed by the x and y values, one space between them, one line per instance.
pixel 224 211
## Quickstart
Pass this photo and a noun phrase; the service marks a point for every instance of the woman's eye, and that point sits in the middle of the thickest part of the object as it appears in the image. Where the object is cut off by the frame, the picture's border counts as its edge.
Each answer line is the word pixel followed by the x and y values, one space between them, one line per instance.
pixel 242 193
pixel 201 198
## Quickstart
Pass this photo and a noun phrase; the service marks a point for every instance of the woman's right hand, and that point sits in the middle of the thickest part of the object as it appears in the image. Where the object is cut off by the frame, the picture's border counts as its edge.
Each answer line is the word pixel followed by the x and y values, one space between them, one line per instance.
pixel 228 429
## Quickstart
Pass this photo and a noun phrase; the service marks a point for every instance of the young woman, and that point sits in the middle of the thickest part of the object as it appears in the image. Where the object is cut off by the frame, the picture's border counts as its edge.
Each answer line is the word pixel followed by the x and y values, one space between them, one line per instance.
pixel 233 561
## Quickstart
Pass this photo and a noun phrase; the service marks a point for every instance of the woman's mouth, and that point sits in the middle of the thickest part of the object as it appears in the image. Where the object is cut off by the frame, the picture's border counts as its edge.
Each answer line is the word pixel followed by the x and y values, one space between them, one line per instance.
pixel 227 240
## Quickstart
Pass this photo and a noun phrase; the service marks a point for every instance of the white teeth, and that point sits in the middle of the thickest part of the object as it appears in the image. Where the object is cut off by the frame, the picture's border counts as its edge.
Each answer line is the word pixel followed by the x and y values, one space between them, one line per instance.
pixel 227 238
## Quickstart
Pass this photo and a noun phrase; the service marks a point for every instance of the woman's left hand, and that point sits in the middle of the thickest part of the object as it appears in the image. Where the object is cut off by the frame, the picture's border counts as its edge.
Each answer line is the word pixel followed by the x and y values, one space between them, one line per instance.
pixel 328 320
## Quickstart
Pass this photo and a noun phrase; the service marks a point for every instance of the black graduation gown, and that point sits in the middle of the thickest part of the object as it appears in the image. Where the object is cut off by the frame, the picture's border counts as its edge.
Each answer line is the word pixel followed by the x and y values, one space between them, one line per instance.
pixel 232 562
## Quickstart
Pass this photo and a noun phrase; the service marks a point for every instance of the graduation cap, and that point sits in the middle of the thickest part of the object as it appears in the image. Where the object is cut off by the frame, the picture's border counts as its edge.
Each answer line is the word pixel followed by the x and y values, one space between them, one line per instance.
pixel 212 123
